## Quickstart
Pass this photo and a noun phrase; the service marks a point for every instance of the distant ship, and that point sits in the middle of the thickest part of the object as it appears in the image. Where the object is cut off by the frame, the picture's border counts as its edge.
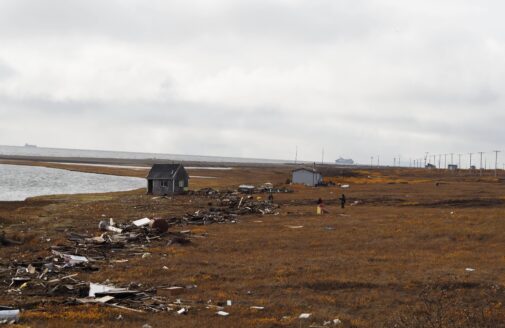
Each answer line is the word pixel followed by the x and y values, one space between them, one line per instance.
pixel 344 161
pixel 30 146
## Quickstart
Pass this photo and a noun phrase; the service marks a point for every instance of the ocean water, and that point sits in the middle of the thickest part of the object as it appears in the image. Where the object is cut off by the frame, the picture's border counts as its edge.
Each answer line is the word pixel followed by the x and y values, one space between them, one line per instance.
pixel 76 153
pixel 19 182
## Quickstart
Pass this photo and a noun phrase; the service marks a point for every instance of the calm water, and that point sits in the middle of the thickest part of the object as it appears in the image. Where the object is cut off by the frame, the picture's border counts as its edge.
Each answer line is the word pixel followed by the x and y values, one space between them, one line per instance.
pixel 75 153
pixel 19 182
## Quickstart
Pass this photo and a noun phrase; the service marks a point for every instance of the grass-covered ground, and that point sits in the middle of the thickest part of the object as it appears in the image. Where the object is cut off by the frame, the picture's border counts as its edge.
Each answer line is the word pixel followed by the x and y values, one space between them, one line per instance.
pixel 403 249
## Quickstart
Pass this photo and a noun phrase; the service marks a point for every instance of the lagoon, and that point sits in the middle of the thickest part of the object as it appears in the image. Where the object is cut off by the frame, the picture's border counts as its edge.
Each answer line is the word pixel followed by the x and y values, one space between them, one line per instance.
pixel 19 182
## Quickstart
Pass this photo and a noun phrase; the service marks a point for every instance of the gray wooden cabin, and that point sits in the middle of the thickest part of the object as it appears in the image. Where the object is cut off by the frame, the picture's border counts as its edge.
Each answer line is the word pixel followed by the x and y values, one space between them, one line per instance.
pixel 166 179
pixel 306 176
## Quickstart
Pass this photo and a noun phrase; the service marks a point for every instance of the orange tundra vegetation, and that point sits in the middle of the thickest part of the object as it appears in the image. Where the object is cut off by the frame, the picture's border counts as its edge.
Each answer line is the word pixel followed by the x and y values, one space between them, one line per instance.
pixel 396 258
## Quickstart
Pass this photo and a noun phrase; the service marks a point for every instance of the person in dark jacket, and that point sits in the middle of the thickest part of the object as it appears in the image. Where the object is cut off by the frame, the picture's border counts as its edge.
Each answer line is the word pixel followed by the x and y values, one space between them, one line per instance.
pixel 342 201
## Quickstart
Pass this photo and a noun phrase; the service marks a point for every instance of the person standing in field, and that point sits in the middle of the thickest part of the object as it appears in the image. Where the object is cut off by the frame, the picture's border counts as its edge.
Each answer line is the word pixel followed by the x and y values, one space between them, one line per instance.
pixel 342 201
pixel 320 207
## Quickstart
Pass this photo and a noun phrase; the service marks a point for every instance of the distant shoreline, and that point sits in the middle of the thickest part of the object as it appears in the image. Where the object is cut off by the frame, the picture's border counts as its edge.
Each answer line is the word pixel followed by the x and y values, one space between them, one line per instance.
pixel 26 153
pixel 148 162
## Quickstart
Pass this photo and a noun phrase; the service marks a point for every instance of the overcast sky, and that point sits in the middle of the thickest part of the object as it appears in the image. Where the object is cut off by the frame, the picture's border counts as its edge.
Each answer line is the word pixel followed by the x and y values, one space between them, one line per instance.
pixel 254 78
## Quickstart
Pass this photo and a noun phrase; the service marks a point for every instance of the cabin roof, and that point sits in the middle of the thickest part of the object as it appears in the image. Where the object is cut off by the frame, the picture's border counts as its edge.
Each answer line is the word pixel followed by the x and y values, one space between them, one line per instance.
pixel 312 170
pixel 164 171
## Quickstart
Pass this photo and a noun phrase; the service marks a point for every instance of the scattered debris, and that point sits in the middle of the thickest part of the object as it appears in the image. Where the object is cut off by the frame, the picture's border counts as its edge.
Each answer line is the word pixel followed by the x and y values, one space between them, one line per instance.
pixel 304 315
pixel 222 313
pixel 105 226
pixel 57 274
pixel 469 270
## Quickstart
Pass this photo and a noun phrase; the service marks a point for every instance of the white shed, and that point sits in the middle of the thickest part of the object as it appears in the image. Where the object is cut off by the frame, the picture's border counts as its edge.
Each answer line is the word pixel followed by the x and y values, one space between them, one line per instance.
pixel 306 176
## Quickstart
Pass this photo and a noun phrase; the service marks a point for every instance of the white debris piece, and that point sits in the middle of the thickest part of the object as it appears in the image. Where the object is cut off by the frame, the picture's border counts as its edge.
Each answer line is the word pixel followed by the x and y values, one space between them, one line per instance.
pixel 142 222
pixel 182 311
pixel 99 288
pixel 74 259
pixel 305 315
pixel 257 307
pixel 469 269
pixel 8 315
pixel 222 313
pixel 71 259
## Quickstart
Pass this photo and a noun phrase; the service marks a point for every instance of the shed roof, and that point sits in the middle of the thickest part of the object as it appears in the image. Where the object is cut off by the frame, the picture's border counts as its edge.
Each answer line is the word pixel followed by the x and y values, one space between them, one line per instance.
pixel 312 170
pixel 164 171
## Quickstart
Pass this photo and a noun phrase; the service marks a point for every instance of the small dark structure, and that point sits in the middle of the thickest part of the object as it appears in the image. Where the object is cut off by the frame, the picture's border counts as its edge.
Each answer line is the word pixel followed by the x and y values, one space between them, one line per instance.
pixel 166 179
pixel 307 176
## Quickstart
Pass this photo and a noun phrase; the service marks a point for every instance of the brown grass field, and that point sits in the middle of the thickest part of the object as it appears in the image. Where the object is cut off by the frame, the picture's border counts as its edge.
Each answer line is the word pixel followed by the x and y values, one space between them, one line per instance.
pixel 396 259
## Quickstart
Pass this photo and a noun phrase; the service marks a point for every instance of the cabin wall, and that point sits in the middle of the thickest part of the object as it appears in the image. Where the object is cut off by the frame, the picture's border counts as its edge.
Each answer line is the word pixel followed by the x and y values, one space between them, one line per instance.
pixel 160 190
pixel 306 177
pixel 177 186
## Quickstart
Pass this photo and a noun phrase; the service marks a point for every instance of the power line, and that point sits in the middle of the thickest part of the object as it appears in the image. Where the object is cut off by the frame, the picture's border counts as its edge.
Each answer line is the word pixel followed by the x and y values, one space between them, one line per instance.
pixel 496 163
pixel 481 152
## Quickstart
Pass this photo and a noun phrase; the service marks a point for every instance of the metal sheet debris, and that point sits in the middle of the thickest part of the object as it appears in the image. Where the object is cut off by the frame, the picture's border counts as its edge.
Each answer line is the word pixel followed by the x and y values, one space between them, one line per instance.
pixel 9 315
pixel 104 289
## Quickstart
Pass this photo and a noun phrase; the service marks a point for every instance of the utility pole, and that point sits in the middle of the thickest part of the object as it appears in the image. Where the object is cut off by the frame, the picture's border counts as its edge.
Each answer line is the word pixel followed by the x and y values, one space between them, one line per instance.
pixel 445 161
pixel 496 163
pixel 470 167
pixel 452 158
pixel 394 162
pixel 296 154
pixel 399 161
pixel 322 157
pixel 481 162
pixel 439 160
pixel 371 162
pixel 459 161
pixel 378 161
pixel 425 158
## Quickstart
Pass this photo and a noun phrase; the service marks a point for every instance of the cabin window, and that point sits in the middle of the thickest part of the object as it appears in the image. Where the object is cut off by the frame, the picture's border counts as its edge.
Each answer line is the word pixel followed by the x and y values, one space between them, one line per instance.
pixel 164 183
pixel 181 183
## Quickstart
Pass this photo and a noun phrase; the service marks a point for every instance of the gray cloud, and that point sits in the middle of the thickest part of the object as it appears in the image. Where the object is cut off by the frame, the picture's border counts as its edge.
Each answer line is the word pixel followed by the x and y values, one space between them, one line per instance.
pixel 254 78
